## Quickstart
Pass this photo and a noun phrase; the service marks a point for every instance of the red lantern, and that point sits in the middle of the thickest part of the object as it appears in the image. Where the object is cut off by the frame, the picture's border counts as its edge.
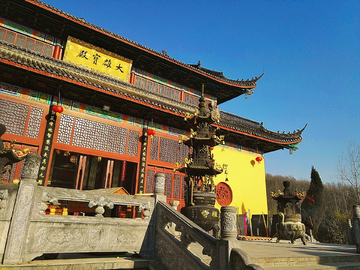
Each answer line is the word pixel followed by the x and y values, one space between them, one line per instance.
pixel 151 132
pixel 258 159
pixel 58 109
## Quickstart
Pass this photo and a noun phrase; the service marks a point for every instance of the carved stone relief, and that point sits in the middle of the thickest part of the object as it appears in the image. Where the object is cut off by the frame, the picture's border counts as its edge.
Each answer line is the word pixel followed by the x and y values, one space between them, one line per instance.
pixel 4 194
pixel 54 239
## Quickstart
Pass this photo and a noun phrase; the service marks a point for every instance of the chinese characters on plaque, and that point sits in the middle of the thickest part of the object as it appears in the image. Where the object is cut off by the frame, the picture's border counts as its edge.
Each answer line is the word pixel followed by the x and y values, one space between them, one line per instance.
pixel 99 60
pixel 144 148
pixel 45 151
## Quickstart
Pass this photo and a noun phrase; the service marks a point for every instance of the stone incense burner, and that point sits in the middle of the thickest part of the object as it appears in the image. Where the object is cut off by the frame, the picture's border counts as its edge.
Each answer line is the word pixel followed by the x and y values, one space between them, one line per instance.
pixel 289 210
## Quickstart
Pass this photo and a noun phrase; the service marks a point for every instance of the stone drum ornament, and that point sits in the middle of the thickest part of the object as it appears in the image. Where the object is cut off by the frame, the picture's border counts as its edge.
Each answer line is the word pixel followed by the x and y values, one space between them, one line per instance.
pixel 228 223
pixel 159 183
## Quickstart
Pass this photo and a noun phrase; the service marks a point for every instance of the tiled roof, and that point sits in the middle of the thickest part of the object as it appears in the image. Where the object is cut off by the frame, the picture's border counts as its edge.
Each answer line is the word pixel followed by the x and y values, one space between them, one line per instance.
pixel 240 83
pixel 240 124
pixel 13 55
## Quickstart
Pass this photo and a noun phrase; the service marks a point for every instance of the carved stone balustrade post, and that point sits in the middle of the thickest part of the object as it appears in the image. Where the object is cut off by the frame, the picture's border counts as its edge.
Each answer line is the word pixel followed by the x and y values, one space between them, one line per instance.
pixel 228 239
pixel 356 211
pixel 355 227
pixel 174 204
pixel 172 227
pixel 160 186
pixel 101 202
pixel 228 223
pixel 146 213
pixel 31 167
pixel 24 203
pixel 159 183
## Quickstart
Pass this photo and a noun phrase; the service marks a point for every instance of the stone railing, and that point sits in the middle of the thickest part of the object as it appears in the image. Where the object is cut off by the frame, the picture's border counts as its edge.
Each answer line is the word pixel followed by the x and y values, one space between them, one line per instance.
pixel 172 245
pixel 27 232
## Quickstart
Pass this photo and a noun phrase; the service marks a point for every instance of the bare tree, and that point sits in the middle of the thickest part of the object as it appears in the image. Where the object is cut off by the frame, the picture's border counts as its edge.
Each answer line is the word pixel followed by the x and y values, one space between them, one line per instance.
pixel 349 167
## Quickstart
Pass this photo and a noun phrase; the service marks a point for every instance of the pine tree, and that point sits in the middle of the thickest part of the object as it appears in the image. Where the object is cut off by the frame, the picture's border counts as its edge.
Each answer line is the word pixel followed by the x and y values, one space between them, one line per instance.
pixel 312 209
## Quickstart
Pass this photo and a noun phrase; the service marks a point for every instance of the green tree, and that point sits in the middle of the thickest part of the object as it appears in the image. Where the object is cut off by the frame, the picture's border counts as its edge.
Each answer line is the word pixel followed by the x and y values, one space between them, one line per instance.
pixel 333 228
pixel 312 209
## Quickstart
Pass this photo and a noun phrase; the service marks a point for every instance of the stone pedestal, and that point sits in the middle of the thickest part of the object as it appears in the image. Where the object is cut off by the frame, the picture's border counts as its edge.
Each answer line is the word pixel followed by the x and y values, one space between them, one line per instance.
pixel 228 238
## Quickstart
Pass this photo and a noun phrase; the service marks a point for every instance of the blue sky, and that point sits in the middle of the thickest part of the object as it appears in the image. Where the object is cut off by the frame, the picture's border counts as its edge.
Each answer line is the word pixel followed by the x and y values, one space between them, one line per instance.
pixel 309 50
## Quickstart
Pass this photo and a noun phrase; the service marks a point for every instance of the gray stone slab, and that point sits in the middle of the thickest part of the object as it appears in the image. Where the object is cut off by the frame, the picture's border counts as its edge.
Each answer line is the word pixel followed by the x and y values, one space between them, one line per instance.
pixel 83 264
pixel 260 249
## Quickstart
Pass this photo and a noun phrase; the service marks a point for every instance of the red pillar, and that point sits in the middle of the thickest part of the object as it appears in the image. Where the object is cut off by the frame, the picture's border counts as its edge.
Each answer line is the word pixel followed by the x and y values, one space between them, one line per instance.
pixel 57 52
pixel 132 78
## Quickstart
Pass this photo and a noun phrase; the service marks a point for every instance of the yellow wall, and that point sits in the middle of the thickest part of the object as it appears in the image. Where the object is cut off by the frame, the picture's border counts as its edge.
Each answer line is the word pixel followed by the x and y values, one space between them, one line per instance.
pixel 246 179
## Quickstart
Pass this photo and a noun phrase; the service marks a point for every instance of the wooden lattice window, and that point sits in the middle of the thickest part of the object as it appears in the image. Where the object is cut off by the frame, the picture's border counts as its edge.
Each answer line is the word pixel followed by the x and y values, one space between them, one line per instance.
pixel 168 184
pixel 133 143
pixel 98 136
pixel 150 181
pixel 34 122
pixel 156 87
pixel 29 43
pixel 14 116
pixel 154 150
pixel 171 151
pixel 65 129
pixel 177 186
pixel 184 188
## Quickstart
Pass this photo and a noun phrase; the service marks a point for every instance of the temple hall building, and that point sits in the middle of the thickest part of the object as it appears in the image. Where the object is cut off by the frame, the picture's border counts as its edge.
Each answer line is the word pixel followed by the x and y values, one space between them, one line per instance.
pixel 106 112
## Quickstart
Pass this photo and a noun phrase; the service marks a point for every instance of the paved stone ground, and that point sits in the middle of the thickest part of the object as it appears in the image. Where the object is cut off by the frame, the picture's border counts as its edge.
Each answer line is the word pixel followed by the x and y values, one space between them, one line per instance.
pixel 285 255
pixel 262 249
pixel 270 255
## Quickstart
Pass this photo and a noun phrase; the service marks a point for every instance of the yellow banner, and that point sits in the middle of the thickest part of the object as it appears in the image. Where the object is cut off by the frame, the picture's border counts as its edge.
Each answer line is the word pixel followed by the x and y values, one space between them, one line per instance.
pixel 88 56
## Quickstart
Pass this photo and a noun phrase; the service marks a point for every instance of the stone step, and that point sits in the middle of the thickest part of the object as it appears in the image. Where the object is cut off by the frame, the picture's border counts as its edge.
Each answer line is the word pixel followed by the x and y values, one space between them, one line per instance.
pixel 83 263
pixel 343 266
pixel 305 261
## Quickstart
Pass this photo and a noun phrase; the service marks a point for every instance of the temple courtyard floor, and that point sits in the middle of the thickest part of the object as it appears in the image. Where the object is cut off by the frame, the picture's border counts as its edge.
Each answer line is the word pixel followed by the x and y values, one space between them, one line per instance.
pixel 284 255
pixel 267 254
